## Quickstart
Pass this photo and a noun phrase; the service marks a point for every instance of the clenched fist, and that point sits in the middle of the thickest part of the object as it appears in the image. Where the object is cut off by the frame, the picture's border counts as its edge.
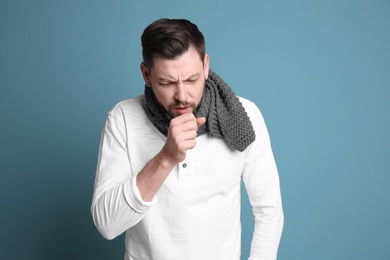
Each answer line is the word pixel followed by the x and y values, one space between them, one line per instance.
pixel 181 136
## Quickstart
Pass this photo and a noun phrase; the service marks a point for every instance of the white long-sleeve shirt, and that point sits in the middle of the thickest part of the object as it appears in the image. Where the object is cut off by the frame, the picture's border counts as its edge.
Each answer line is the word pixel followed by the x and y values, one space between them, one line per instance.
pixel 196 212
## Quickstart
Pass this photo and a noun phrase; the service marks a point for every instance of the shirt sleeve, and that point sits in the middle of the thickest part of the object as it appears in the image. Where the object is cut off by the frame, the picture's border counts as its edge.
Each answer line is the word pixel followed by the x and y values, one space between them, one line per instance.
pixel 116 204
pixel 261 181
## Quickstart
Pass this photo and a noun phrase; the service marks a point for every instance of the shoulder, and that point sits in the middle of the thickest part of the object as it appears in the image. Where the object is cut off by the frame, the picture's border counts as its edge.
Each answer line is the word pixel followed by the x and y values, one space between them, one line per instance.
pixel 255 116
pixel 132 106
pixel 250 107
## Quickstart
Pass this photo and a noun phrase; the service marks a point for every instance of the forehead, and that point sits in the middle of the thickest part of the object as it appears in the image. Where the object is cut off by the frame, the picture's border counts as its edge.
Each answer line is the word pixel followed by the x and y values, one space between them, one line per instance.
pixel 181 67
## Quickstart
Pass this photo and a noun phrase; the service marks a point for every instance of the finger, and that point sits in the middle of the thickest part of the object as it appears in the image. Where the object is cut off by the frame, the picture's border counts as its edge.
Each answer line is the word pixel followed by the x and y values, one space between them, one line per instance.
pixel 189 135
pixel 200 121
pixel 191 144
pixel 183 118
pixel 184 127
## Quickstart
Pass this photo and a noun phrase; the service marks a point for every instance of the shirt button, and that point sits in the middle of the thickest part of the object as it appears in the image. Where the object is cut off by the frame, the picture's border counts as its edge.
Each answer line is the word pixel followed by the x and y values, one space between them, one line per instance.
pixel 184 165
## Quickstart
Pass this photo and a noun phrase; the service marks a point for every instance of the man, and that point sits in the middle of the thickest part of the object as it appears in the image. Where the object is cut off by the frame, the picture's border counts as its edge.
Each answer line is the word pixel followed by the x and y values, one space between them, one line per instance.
pixel 171 161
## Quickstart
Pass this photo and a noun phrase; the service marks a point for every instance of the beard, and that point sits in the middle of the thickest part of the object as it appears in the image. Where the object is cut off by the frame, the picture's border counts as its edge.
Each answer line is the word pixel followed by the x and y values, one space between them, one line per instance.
pixel 177 103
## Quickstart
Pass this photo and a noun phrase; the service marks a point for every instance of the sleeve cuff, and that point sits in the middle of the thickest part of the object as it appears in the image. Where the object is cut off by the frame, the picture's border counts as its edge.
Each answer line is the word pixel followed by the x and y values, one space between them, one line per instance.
pixel 134 199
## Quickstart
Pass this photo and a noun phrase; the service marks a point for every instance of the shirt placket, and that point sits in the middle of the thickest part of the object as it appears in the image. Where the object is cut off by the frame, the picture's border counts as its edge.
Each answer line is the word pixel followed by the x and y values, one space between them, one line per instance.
pixel 185 168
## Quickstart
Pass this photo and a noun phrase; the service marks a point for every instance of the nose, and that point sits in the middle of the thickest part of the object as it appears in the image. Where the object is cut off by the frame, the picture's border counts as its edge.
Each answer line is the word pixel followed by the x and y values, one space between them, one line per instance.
pixel 180 94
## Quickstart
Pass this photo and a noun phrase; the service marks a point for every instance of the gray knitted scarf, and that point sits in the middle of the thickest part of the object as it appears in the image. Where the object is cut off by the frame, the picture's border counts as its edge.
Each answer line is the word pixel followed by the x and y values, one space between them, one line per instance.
pixel 226 117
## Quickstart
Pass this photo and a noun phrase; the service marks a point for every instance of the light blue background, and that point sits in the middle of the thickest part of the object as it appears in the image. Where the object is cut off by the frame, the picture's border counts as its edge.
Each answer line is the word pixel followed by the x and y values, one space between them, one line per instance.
pixel 318 70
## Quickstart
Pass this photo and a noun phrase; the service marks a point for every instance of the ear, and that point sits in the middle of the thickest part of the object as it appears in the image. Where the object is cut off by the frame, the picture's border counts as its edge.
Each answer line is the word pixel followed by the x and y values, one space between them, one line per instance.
pixel 146 74
pixel 206 65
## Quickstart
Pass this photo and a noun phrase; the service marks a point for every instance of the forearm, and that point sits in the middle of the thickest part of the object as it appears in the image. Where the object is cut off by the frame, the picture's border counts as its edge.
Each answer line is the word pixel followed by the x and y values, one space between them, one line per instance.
pixel 121 199
pixel 265 195
pixel 267 208
pixel 152 176
pixel 267 232
pixel 181 137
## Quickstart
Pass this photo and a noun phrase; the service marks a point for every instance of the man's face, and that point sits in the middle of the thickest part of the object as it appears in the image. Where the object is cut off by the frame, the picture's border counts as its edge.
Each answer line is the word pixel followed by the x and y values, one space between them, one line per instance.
pixel 178 84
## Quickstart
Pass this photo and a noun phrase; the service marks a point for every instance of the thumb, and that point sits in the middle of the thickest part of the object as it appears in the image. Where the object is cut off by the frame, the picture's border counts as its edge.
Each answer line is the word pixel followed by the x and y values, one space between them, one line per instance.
pixel 200 121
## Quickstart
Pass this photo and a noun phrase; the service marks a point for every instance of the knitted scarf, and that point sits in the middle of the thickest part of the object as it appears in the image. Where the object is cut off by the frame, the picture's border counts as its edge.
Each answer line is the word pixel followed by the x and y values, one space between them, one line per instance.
pixel 226 117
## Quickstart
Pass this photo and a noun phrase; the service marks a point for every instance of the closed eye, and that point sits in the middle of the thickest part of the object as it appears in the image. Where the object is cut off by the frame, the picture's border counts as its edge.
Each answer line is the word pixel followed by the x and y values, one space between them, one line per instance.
pixel 192 80
pixel 166 83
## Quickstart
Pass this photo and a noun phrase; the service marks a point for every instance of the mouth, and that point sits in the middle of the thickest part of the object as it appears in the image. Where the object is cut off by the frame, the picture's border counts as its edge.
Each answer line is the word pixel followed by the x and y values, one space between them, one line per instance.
pixel 181 110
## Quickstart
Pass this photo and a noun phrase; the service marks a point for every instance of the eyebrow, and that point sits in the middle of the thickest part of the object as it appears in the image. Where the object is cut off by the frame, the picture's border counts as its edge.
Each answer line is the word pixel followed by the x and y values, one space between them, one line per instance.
pixel 191 77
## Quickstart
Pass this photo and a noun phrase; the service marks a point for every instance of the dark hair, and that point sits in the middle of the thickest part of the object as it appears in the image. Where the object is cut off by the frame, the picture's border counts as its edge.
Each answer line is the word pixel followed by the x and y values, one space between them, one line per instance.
pixel 169 38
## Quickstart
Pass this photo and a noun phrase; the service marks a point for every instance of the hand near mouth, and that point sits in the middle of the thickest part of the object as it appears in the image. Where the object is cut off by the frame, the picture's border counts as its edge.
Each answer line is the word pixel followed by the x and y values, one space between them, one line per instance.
pixel 181 135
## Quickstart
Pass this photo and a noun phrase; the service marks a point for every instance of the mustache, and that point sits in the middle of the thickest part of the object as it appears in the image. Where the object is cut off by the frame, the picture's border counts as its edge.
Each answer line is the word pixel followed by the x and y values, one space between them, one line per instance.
pixel 179 103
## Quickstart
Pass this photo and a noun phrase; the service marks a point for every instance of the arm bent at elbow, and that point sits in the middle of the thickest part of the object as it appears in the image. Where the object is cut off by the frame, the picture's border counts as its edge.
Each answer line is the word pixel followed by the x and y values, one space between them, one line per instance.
pixel 117 209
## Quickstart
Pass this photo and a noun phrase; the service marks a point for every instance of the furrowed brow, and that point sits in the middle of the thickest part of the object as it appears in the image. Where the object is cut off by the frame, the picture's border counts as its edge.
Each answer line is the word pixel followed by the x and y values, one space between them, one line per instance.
pixel 169 80
pixel 166 80
pixel 193 76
